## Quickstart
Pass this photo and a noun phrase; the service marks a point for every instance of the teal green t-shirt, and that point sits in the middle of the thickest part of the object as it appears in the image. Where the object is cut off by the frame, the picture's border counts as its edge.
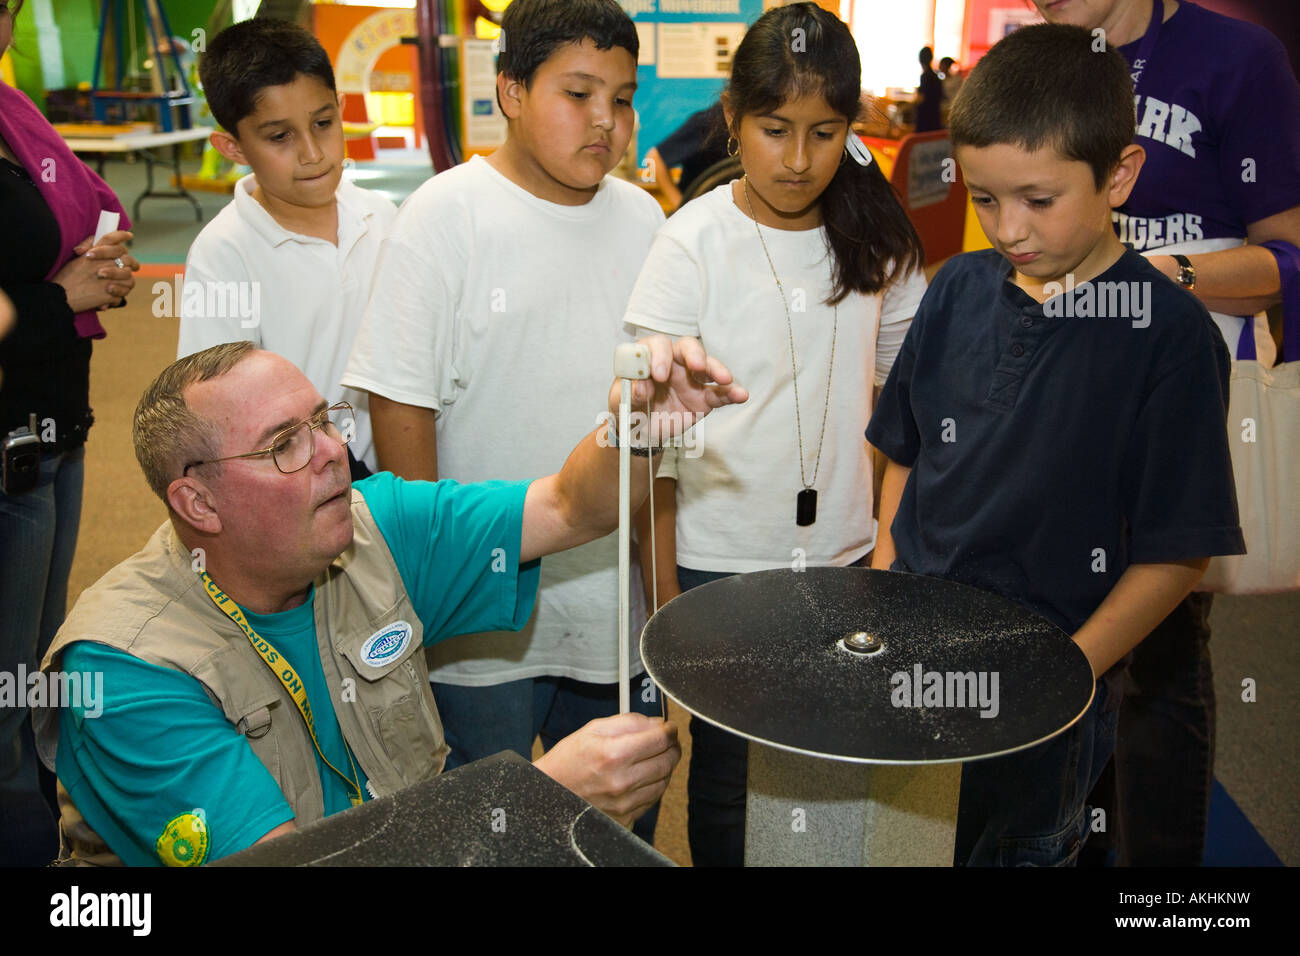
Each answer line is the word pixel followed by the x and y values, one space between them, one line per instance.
pixel 163 776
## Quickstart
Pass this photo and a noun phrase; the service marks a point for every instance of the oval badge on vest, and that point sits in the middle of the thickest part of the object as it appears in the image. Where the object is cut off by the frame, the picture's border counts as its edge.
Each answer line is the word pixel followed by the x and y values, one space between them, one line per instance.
pixel 386 645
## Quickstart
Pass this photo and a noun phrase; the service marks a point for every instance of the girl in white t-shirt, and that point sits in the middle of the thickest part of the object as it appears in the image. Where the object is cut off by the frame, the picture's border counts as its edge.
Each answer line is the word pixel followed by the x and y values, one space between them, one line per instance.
pixel 803 276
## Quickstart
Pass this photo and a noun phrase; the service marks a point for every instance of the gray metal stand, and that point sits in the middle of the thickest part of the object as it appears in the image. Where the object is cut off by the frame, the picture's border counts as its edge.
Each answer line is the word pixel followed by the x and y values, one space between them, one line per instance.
pixel 810 811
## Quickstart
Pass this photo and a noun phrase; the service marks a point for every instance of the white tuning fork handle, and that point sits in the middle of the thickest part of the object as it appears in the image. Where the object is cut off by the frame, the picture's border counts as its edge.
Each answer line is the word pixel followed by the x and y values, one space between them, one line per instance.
pixel 624 545
pixel 631 362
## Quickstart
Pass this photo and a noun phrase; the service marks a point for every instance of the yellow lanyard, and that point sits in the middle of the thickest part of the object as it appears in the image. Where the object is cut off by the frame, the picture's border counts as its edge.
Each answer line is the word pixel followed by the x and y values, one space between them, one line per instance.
pixel 288 677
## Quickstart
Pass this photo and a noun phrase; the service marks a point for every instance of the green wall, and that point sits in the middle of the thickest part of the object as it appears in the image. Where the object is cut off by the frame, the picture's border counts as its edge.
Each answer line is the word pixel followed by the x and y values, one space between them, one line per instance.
pixel 75 37
pixel 65 53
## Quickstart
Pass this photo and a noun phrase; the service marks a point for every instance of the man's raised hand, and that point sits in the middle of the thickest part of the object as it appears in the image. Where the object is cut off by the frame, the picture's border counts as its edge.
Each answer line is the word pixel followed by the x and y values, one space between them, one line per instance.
pixel 687 384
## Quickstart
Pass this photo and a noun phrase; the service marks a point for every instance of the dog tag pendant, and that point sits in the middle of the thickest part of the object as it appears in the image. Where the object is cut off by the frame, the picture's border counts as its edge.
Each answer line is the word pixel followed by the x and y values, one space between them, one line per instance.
pixel 805 512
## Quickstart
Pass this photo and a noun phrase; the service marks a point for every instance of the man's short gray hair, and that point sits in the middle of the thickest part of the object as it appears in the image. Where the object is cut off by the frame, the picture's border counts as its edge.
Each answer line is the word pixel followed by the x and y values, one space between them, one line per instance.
pixel 166 433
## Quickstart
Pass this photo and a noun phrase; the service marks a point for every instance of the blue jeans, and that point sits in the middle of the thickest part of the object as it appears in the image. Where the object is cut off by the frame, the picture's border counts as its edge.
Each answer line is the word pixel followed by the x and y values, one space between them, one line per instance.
pixel 1164 757
pixel 1029 808
pixel 481 721
pixel 38 538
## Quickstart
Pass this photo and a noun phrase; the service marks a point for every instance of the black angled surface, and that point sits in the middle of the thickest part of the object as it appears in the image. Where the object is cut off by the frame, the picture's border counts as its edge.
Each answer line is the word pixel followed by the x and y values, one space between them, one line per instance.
pixel 448 821
pixel 756 654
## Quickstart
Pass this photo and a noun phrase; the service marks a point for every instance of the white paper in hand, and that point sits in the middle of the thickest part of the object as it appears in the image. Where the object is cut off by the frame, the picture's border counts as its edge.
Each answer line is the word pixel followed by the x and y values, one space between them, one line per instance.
pixel 107 223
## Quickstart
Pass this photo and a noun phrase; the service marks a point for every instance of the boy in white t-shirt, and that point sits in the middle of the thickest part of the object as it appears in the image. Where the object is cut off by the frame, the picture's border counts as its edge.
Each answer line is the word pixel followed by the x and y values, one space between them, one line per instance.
pixel 495 314
pixel 288 263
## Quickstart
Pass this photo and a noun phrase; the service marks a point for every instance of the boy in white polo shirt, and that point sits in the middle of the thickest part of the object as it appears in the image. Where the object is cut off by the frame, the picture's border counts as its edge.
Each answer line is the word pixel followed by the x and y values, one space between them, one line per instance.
pixel 495 313
pixel 287 265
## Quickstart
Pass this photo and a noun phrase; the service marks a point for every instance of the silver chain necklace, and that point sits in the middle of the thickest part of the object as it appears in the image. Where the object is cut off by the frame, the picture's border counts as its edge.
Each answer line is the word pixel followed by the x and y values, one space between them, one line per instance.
pixel 805 510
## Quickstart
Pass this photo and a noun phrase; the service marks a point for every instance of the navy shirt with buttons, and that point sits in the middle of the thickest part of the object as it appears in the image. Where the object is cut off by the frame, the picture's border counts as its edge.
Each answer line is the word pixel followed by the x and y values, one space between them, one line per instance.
pixel 1051 447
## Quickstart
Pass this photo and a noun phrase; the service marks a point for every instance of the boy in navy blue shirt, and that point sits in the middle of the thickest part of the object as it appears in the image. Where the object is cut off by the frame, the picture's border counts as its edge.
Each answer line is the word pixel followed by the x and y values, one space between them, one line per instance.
pixel 1055 422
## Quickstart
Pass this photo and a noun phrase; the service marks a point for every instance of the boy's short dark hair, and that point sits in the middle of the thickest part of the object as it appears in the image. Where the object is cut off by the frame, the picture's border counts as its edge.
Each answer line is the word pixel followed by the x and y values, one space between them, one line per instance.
pixel 1046 85
pixel 532 30
pixel 246 58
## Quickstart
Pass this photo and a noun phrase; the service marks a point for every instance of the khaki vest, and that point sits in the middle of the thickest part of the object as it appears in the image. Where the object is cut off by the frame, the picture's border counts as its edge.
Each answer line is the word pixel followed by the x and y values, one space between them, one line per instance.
pixel 154 607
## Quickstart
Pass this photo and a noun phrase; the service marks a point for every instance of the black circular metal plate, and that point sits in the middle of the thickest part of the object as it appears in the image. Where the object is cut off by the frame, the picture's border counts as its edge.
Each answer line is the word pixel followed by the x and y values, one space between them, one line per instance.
pixel 963 674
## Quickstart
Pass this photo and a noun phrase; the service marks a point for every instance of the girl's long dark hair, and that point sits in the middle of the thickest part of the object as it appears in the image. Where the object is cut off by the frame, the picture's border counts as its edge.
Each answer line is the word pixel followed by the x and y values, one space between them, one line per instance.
pixel 799 50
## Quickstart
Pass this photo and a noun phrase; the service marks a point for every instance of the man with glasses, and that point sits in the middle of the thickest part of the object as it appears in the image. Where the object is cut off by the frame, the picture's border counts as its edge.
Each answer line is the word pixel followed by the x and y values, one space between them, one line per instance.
pixel 262 655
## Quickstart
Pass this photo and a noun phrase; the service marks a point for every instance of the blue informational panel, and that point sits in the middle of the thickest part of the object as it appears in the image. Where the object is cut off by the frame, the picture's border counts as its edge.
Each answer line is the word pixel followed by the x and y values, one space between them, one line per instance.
pixel 686 50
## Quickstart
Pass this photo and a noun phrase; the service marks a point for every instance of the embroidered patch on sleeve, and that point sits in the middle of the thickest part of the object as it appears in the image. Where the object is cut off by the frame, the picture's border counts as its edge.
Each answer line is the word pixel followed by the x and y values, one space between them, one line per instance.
pixel 184 840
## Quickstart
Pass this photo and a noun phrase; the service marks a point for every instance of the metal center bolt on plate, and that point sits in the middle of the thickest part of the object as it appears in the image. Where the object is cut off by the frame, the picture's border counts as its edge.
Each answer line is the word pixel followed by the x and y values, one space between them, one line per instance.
pixel 860 642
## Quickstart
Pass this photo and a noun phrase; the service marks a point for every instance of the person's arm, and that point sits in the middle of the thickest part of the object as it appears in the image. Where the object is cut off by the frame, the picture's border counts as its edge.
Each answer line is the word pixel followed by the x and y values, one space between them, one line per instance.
pixel 287 827
pixel 580 503
pixel 663 571
pixel 659 564
pixel 897 309
pixel 1243 280
pixel 891 493
pixel 1142 598
pixel 89 281
pixel 6 315
pixel 6 323
pixel 621 765
pixel 116 281
pixel 1258 179
pixel 688 140
pixel 92 279
pixel 663 177
pixel 155 746
pixel 44 313
pixel 406 438
pixel 892 433
pixel 879 462
pixel 44 323
pixel 1176 495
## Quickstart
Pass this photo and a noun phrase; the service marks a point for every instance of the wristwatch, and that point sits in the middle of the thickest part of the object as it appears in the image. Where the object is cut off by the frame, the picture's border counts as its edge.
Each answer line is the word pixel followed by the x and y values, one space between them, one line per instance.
pixel 1186 271
pixel 612 437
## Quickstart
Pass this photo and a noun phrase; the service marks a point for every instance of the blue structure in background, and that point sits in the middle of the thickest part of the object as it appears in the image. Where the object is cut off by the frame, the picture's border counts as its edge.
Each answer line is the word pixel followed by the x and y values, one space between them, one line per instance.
pixel 663 104
pixel 174 94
